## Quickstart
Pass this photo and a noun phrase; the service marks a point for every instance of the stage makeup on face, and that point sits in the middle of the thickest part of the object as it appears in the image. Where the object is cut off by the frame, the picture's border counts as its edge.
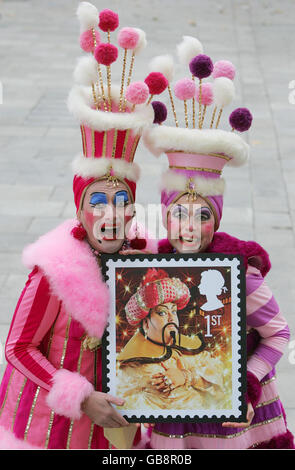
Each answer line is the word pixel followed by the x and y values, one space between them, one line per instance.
pixel 190 225
pixel 105 215
pixel 162 318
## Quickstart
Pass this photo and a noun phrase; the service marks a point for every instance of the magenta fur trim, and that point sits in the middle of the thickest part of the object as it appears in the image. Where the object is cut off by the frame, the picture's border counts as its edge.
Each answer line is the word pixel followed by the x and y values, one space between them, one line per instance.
pixel 253 389
pixel 222 242
pixel 282 441
pixel 252 252
pixel 68 392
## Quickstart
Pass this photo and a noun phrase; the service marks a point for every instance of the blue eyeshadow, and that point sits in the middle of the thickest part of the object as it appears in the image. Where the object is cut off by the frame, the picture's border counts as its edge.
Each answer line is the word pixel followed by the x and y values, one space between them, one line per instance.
pixel 120 196
pixel 98 198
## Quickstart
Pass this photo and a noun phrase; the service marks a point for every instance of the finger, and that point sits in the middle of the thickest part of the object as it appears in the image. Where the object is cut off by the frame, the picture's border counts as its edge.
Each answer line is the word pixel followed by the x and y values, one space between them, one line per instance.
pixel 114 400
pixel 161 386
pixel 111 423
pixel 157 381
pixel 235 425
pixel 158 375
pixel 119 419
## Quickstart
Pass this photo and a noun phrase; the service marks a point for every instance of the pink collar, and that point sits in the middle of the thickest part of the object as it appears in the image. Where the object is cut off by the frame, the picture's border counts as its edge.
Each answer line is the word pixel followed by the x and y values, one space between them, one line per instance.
pixel 73 274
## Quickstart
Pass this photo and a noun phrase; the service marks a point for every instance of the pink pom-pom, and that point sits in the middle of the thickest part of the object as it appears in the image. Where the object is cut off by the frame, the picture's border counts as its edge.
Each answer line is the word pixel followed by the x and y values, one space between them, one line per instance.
pixel 108 20
pixel 87 41
pixel 128 38
pixel 137 93
pixel 224 68
pixel 156 82
pixel 207 95
pixel 185 89
pixel 106 53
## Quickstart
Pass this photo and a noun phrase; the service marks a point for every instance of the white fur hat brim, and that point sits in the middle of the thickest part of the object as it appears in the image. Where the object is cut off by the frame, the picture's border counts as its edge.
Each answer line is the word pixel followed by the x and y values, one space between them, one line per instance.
pixel 92 167
pixel 163 139
pixel 80 102
pixel 172 181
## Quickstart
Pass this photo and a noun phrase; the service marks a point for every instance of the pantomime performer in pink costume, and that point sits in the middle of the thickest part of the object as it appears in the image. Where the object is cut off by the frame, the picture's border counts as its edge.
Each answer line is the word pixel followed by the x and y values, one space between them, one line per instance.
pixel 192 201
pixel 50 395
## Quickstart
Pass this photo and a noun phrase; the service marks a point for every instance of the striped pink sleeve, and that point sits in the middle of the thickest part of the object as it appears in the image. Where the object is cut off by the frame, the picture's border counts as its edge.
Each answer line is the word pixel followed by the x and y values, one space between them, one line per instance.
pixel 34 315
pixel 265 316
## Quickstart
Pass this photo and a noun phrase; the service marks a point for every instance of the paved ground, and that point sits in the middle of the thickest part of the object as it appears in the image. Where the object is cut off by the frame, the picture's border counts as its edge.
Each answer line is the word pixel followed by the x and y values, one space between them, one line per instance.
pixel 38 138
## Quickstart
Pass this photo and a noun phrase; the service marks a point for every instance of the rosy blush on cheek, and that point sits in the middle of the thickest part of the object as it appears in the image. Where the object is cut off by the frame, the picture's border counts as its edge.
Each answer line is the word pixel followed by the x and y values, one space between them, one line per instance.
pixel 90 219
pixel 208 228
pixel 173 228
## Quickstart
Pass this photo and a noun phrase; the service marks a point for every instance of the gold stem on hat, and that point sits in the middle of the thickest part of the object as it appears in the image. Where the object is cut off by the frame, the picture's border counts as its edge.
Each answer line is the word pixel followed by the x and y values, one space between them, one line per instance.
pixel 109 76
pixel 233 129
pixel 185 113
pixel 133 107
pixel 99 72
pixel 203 115
pixel 218 118
pixel 213 116
pixel 194 107
pixel 172 105
pixel 109 86
pixel 102 88
pixel 123 79
pixel 200 103
pixel 96 103
pixel 129 76
pixel 150 99
pixel 131 68
pixel 94 37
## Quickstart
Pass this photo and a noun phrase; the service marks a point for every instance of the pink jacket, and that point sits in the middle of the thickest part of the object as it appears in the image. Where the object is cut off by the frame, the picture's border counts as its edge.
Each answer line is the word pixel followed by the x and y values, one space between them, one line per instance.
pixel 50 372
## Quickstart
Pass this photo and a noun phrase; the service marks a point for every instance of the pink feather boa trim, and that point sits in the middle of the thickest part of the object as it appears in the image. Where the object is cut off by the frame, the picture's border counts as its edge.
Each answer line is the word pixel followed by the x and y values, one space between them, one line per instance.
pixel 68 392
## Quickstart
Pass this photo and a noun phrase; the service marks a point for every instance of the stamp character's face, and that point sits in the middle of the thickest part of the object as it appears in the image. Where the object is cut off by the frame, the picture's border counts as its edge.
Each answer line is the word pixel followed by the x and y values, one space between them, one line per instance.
pixel 106 215
pixel 190 225
pixel 160 316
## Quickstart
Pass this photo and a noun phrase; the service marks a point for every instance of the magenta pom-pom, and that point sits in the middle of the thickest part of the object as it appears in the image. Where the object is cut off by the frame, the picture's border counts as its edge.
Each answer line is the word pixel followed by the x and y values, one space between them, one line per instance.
pixel 106 53
pixel 108 20
pixel 87 40
pixel 128 38
pixel 137 93
pixel 185 89
pixel 241 119
pixel 201 66
pixel 138 243
pixel 79 232
pixel 207 95
pixel 156 82
pixel 224 68
pixel 160 111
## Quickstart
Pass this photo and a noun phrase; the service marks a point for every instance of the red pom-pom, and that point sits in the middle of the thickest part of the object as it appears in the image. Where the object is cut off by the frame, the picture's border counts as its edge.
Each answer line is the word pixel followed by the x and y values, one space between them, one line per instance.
pixel 156 82
pixel 138 243
pixel 108 20
pixel 106 53
pixel 79 232
pixel 154 275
